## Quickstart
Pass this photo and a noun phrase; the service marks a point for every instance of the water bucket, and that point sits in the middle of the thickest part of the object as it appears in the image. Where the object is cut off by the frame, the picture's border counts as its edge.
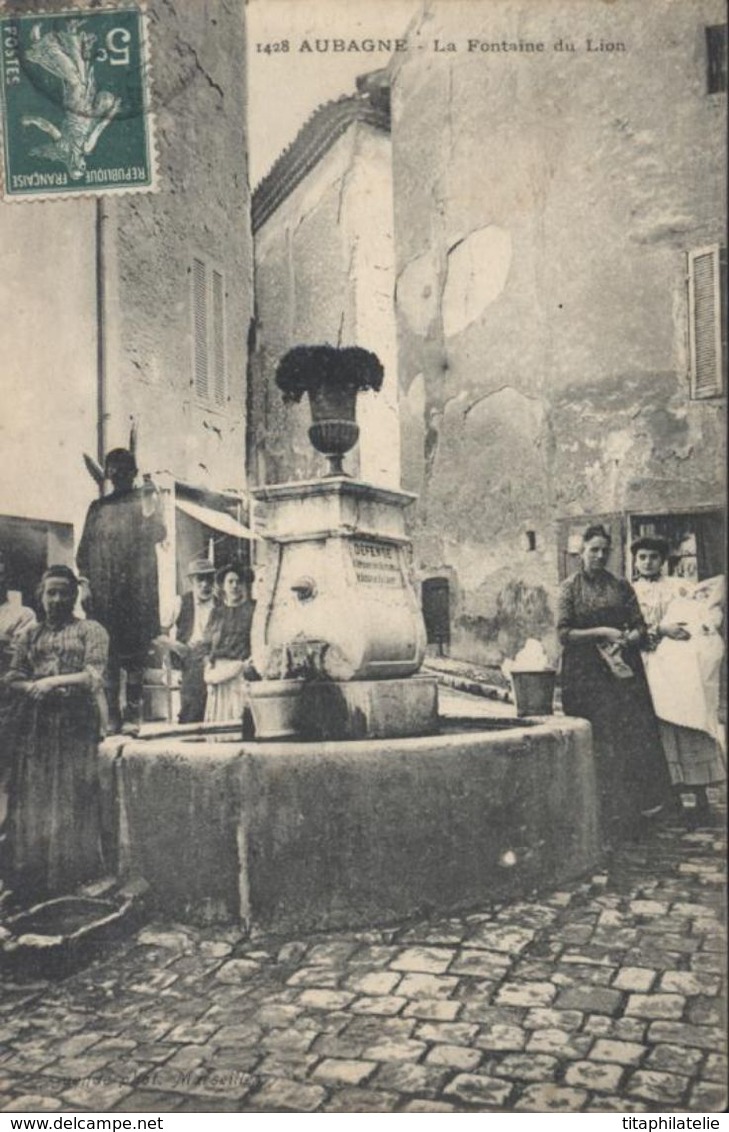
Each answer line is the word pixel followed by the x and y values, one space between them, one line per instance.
pixel 275 707
pixel 534 691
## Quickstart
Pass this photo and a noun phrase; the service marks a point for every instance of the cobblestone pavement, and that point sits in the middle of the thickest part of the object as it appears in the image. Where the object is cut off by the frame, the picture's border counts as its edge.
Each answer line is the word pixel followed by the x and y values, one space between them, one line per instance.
pixel 604 997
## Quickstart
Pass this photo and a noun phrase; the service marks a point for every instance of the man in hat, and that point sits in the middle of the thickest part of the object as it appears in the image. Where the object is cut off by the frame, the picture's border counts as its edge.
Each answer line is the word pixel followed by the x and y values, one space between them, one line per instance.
pixel 195 608
pixel 118 555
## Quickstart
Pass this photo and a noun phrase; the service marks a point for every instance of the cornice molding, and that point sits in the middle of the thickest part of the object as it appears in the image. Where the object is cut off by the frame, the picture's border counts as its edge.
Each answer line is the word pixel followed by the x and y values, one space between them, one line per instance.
pixel 313 141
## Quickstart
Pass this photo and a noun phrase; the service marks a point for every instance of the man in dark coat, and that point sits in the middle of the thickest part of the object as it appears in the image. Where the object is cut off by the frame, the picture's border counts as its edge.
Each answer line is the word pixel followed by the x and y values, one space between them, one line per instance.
pixel 117 554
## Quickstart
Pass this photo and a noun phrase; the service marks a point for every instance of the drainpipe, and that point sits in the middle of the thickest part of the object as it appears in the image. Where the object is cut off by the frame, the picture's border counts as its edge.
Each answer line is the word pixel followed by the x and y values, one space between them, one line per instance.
pixel 101 360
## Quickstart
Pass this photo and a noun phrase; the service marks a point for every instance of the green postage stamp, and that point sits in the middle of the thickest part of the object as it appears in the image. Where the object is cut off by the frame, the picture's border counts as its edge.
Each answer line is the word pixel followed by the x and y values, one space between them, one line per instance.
pixel 76 116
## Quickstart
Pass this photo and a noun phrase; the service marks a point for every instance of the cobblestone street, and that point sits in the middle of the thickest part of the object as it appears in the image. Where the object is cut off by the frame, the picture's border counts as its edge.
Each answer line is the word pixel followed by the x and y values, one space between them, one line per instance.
pixel 604 997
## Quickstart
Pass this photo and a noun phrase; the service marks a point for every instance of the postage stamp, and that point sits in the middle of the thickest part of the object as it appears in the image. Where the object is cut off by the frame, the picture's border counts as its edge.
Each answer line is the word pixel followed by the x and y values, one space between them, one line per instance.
pixel 76 116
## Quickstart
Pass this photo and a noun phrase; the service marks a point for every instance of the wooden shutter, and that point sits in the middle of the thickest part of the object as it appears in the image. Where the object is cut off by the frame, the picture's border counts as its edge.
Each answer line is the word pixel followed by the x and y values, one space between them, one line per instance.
pixel 200 328
pixel 705 322
pixel 218 339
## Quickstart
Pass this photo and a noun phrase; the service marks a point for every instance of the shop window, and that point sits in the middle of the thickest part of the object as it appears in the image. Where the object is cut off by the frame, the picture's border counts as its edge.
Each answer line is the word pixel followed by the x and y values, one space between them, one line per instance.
pixel 208 325
pixel 194 539
pixel 707 321
pixel 696 541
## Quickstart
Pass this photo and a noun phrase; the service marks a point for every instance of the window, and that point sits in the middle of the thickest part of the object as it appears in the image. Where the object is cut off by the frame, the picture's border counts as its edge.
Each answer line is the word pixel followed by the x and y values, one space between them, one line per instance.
pixel 707 321
pixel 696 540
pixel 208 324
pixel 716 58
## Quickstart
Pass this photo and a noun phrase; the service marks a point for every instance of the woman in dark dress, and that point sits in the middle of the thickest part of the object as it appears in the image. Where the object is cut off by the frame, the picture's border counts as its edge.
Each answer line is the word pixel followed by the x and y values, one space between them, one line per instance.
pixel 601 628
pixel 56 679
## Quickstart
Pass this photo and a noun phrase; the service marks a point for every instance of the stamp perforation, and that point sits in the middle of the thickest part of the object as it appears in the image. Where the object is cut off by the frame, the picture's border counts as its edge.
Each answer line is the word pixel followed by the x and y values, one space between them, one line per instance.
pixel 74 138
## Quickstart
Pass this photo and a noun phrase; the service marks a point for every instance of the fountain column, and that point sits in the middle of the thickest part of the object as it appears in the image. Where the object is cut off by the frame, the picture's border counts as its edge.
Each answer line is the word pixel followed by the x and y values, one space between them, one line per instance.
pixel 338 594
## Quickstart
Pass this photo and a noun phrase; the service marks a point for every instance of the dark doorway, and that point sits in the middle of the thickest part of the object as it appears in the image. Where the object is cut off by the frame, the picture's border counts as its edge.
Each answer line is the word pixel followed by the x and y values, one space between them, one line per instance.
pixel 29 546
pixel 436 613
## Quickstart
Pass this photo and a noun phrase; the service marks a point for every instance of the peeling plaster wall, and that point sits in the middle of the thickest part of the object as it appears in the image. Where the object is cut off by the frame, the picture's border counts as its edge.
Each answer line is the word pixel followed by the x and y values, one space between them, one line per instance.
pixel 544 205
pixel 202 210
pixel 325 273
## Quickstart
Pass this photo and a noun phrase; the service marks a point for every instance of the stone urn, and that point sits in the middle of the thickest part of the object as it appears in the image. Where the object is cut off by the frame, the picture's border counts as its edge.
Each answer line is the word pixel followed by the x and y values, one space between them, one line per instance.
pixel 334 429
pixel 332 376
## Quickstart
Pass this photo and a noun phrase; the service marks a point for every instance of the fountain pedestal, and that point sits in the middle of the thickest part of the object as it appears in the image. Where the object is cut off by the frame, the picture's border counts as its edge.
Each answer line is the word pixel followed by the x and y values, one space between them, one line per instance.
pixel 339 590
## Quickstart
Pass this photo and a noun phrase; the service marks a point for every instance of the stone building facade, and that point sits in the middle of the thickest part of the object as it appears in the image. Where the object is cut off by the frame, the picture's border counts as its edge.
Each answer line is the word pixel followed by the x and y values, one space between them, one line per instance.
pixel 325 273
pixel 133 312
pixel 547 208
pixel 558 277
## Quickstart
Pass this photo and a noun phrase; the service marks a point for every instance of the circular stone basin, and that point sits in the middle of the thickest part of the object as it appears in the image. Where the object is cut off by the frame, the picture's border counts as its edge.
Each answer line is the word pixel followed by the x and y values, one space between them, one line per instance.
pixel 231 732
pixel 294 836
pixel 454 724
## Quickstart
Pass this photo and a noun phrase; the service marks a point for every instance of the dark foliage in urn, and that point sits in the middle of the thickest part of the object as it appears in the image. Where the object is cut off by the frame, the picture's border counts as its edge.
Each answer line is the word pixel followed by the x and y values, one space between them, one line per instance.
pixel 305 369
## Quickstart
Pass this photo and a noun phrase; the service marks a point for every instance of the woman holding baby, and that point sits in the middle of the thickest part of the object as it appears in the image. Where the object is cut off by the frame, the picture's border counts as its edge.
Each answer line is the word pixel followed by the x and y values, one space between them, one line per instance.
pixel 682 655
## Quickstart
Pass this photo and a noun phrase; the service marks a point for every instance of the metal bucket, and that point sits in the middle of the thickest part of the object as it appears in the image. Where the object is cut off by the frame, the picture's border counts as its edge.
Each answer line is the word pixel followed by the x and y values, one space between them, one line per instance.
pixel 534 691
pixel 275 707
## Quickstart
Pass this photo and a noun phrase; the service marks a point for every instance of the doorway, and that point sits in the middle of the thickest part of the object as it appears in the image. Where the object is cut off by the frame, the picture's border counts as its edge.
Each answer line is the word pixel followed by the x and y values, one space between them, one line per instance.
pixel 435 597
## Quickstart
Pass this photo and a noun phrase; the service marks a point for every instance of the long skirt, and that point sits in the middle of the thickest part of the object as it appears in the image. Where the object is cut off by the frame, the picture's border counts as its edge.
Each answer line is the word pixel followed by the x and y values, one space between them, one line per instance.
pixel 694 758
pixel 227 701
pixel 54 839
pixel 631 771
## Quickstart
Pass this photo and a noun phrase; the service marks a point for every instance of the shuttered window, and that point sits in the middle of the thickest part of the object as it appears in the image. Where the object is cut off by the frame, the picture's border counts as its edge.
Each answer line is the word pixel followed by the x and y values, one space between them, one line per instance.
pixel 200 328
pixel 218 342
pixel 208 323
pixel 707 296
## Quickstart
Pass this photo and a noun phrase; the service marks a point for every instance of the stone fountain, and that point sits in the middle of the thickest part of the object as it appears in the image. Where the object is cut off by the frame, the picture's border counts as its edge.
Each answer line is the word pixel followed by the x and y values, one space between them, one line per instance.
pixel 362 806
pixel 338 602
pixel 339 589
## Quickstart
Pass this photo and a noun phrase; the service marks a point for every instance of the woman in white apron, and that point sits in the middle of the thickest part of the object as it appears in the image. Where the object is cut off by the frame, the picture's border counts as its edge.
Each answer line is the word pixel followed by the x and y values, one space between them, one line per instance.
pixel 683 664
pixel 227 641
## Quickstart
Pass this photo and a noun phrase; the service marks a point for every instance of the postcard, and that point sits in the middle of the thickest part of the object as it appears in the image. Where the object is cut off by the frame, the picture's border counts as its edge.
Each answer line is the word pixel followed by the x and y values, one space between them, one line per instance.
pixel 362 569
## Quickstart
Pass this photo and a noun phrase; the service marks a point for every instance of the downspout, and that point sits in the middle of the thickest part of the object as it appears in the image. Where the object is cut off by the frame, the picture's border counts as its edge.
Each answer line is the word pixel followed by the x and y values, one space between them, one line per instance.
pixel 251 460
pixel 101 345
pixel 251 455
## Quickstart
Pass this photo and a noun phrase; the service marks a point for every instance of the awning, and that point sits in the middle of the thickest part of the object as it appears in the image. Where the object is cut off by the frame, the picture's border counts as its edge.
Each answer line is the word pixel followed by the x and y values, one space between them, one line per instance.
pixel 218 520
